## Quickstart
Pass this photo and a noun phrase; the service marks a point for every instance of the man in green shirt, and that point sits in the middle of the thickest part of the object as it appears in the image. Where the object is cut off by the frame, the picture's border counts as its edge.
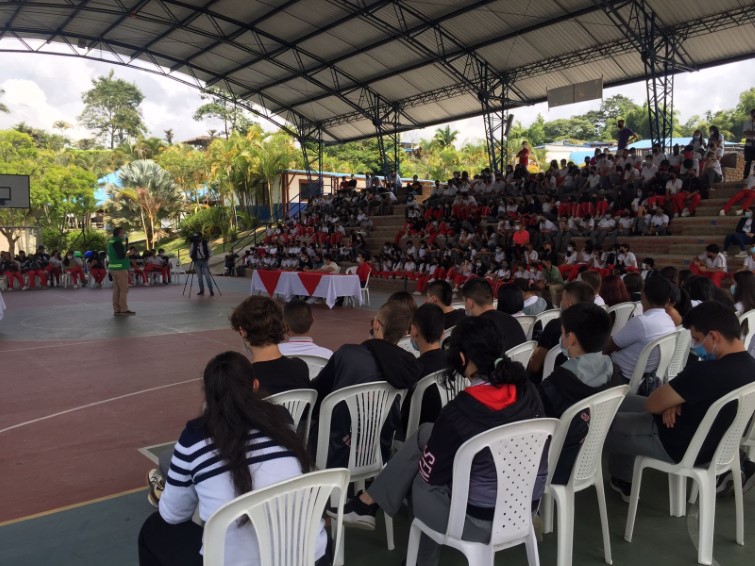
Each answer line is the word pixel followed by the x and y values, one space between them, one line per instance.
pixel 118 266
pixel 551 280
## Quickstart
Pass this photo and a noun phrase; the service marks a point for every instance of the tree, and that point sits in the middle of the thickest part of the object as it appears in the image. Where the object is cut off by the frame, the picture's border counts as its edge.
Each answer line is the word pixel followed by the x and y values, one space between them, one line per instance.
pixel 536 132
pixel 169 136
pixel 188 167
pixel 269 157
pixel 233 116
pixel 148 193
pixel 3 108
pixel 445 137
pixel 111 110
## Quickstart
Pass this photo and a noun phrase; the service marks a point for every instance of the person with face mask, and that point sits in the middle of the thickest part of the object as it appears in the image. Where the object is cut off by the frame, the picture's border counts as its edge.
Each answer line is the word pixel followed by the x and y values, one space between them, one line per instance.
pixel 749 263
pixel 422 470
pixel 585 329
pixel 662 425
pixel 712 264
pixel 746 195
pixel 743 235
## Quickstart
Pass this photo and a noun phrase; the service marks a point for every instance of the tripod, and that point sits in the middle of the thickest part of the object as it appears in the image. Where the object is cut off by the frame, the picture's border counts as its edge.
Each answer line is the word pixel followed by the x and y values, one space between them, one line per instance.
pixel 190 279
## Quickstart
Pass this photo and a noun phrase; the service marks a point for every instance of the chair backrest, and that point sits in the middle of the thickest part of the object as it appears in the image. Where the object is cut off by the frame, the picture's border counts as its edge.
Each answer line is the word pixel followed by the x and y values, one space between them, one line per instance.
pixel 369 405
pixel 621 315
pixel 602 407
pixel 527 322
pixel 666 345
pixel 436 380
pixel 406 344
pixel 728 447
pixel 458 305
pixel 748 317
pixel 367 281
pixel 522 353
pixel 314 364
pixel 351 270
pixel 546 316
pixel 549 364
pixel 445 336
pixel 286 517
pixel 296 402
pixel 681 352
pixel 638 308
pixel 517 450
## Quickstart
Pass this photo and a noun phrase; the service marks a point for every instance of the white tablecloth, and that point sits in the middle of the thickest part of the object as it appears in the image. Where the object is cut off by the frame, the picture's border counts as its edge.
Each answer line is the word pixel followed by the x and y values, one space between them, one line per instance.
pixel 2 307
pixel 330 287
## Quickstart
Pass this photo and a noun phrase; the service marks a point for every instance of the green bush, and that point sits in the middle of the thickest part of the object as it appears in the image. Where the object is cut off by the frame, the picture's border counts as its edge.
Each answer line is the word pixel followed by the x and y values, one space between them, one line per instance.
pixel 95 240
pixel 211 222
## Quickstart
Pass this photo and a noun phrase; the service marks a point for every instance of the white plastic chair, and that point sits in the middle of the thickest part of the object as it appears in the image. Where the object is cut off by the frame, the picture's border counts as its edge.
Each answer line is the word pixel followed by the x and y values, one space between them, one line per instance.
pixel 517 450
pixel 522 353
pixel 725 458
pixel 446 395
pixel 748 317
pixel 545 317
pixel 406 344
pixel 286 517
pixel 458 305
pixel 681 352
pixel 549 364
pixel 587 471
pixel 369 405
pixel 666 345
pixel 314 364
pixel 622 312
pixel 527 322
pixel 296 401
pixel 365 291
pixel 748 443
pixel 446 335
pixel 638 308
pixel 176 270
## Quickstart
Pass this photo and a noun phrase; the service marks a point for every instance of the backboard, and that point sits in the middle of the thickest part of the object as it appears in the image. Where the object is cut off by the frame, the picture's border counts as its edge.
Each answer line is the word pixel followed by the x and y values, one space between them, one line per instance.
pixel 14 191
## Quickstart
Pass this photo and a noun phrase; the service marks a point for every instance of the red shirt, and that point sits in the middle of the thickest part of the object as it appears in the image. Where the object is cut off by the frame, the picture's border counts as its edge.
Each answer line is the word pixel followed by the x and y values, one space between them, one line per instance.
pixel 363 270
pixel 524 156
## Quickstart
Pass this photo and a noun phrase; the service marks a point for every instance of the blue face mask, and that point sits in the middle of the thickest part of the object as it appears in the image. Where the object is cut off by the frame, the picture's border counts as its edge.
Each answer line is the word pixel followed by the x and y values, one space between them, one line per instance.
pixel 564 351
pixel 700 351
pixel 733 289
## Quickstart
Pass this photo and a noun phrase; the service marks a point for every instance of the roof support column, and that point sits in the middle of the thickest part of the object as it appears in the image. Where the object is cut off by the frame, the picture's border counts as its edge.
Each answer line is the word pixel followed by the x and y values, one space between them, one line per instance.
pixel 309 137
pixel 386 118
pixel 495 101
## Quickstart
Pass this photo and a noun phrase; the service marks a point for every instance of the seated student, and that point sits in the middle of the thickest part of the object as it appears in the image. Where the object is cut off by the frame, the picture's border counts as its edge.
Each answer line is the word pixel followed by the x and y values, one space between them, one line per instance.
pixel 154 263
pixel 634 284
pixel 510 300
pixel 575 292
pixel 422 469
pixel 137 266
pixel 625 346
pixel 97 269
pixel 376 359
pixel 259 322
pixel 240 443
pixel 440 293
pixel 711 264
pixel 585 330
pixel 592 278
pixel 298 320
pixel 478 301
pixel 534 304
pixel 662 425
pixel 12 271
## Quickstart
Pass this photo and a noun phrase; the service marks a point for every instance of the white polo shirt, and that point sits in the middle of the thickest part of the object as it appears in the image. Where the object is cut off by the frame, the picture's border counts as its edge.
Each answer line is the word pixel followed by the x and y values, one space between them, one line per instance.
pixel 639 331
pixel 303 346
pixel 719 260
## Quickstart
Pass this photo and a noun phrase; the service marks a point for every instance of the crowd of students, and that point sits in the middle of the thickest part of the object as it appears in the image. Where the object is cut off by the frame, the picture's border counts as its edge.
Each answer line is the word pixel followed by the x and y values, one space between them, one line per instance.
pixel 42 270
pixel 240 442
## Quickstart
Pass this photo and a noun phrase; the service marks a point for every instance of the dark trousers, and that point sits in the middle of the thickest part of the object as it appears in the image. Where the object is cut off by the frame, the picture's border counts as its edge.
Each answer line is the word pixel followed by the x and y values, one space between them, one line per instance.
pixel 737 238
pixel 749 158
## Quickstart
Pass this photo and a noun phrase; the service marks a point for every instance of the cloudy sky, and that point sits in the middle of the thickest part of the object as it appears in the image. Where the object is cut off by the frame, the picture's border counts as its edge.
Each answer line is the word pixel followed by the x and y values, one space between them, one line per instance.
pixel 41 89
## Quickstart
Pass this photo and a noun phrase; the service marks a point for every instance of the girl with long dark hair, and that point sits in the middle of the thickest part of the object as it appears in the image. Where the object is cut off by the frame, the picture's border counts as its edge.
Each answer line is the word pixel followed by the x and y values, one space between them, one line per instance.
pixel 500 393
pixel 240 443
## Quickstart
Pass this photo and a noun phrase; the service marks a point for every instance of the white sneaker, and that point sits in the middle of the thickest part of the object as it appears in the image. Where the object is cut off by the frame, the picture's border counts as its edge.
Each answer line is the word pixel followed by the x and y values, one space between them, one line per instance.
pixel 685 213
pixel 725 253
pixel 676 215
pixel 740 212
pixel 25 288
pixel 722 212
pixel 416 293
pixel 76 286
pixel 742 254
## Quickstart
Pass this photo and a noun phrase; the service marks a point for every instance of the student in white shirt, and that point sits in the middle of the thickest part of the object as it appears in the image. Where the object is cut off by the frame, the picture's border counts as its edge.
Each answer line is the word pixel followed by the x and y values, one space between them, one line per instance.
pixel 659 222
pixel 625 346
pixel 648 170
pixel 711 264
pixel 749 263
pixel 298 319
pixel 626 260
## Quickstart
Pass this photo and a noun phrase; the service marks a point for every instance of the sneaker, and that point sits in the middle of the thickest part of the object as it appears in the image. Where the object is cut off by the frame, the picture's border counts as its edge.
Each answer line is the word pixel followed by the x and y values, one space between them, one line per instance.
pixel 416 293
pixel 156 485
pixel 357 514
pixel 724 484
pixel 75 286
pixel 623 488
pixel 127 313
pixel 200 293
pixel 748 475
pixel 740 212
pixel 722 212
pixel 212 293
pixel 742 254
pixel 25 288
pixel 685 213
pixel 676 215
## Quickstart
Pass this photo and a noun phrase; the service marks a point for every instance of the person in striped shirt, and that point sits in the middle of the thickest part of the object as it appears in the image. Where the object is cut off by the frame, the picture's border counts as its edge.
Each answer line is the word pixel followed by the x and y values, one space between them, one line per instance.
pixel 239 443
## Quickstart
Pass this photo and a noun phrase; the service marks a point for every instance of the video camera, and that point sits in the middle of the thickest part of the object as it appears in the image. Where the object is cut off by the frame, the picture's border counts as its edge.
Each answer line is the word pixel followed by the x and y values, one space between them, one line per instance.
pixel 195 238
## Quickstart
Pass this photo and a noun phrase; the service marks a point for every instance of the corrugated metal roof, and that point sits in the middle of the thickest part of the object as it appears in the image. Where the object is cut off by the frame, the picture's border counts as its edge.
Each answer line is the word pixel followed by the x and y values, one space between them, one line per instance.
pixel 316 61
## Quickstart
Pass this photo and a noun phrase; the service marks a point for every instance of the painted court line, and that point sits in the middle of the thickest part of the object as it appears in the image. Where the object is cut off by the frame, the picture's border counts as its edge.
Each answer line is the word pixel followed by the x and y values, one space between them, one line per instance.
pixel 95 404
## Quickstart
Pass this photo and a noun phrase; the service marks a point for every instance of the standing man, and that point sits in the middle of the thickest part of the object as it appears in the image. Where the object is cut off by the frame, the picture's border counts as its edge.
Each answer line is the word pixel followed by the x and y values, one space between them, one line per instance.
pixel 118 265
pixel 624 136
pixel 200 253
pixel 748 131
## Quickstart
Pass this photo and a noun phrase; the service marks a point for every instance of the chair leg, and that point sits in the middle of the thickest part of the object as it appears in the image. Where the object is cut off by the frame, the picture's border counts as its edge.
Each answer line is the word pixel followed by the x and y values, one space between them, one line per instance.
pixel 736 473
pixel 533 557
pixel 412 548
pixel 707 520
pixel 389 531
pixel 601 493
pixel 547 514
pixel 565 511
pixel 633 500
pixel 693 493
pixel 677 488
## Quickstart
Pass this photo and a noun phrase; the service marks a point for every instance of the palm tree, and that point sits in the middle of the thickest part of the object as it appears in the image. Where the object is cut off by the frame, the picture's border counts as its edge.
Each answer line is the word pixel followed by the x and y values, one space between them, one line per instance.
pixel 445 137
pixel 3 108
pixel 149 193
pixel 269 157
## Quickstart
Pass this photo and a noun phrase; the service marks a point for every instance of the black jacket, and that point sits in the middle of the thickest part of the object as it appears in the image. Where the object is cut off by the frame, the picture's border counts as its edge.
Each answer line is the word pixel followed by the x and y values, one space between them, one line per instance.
pixel 741 225
pixel 354 364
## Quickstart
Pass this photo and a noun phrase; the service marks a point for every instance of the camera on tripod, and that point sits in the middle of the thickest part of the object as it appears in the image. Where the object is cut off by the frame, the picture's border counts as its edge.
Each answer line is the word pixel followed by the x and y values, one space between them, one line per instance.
pixel 195 238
